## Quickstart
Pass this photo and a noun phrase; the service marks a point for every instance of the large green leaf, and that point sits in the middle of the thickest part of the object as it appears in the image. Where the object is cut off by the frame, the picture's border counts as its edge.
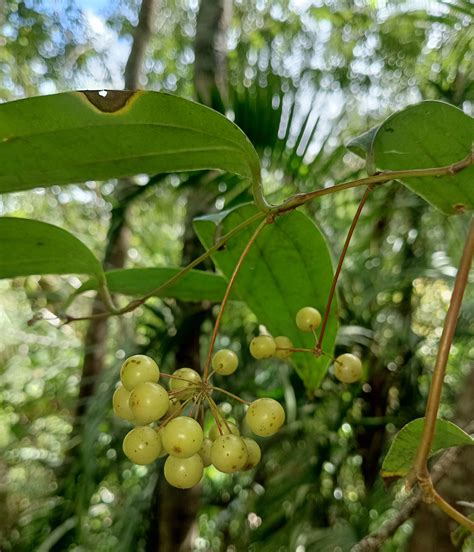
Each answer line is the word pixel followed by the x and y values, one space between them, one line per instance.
pixel 30 247
pixel 425 135
pixel 401 455
pixel 288 267
pixel 196 285
pixel 78 136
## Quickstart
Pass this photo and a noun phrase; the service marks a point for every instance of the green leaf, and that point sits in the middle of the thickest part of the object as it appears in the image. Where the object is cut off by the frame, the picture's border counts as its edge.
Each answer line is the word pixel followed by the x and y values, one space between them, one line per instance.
pixel 425 135
pixel 288 267
pixel 401 455
pixel 78 136
pixel 32 247
pixel 196 285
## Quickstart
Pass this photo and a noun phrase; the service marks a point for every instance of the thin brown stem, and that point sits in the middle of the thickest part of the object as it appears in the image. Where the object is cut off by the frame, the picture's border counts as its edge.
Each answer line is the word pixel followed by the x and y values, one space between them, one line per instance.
pixel 420 465
pixel 244 253
pixel 138 302
pixel 211 401
pixel 236 397
pixel 342 256
pixel 380 178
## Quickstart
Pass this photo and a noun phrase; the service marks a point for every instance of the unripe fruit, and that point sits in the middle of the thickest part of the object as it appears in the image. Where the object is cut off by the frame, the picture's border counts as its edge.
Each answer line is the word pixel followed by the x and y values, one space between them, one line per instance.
pixel 121 405
pixel 148 402
pixel 188 378
pixel 262 346
pixel 205 452
pixel 182 436
pixel 265 417
pixel 174 406
pixel 137 369
pixel 308 319
pixel 229 453
pixel 348 368
pixel 225 362
pixel 254 454
pixel 283 343
pixel 214 432
pixel 142 445
pixel 183 473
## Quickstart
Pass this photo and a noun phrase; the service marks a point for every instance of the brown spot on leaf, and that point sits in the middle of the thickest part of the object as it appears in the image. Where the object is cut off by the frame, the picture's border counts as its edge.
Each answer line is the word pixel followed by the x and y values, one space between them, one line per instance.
pixel 109 101
pixel 459 208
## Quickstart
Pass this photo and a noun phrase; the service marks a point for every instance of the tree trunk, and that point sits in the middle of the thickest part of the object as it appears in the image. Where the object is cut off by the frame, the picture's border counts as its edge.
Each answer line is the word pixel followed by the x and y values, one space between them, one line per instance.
pixel 175 524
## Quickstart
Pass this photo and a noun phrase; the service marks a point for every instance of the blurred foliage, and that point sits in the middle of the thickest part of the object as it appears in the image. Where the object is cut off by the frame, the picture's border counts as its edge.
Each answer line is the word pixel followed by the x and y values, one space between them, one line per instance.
pixel 304 77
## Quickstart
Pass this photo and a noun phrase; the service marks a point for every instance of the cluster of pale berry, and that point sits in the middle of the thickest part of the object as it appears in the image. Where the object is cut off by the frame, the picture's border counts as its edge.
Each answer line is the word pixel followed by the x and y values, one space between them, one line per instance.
pixel 347 367
pixel 169 422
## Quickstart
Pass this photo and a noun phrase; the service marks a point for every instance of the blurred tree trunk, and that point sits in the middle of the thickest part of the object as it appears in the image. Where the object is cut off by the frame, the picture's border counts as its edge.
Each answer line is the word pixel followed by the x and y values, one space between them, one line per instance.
pixel 118 233
pixel 176 510
pixel 432 530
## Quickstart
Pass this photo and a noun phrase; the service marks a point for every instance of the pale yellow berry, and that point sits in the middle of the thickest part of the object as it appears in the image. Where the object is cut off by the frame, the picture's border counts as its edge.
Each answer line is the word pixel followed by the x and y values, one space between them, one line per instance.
pixel 184 383
pixel 183 473
pixel 182 436
pixel 148 402
pixel 265 417
pixel 348 368
pixel 308 319
pixel 283 343
pixel 138 369
pixel 229 453
pixel 214 432
pixel 262 346
pixel 254 453
pixel 225 362
pixel 142 445
pixel 120 404
pixel 205 452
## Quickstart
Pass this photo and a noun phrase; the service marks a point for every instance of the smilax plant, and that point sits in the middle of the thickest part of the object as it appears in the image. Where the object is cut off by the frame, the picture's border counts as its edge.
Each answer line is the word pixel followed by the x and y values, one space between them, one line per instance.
pixel 427 147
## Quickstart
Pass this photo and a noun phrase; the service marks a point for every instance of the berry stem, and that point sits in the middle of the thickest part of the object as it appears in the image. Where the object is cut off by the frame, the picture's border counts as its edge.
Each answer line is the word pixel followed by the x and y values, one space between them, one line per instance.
pixel 214 412
pixel 211 401
pixel 236 397
pixel 175 413
pixel 342 256
pixel 138 302
pixel 232 279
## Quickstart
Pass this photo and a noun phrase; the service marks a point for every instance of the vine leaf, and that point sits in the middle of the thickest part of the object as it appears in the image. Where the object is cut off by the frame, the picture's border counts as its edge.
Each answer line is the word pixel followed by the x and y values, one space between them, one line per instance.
pixel 196 285
pixel 287 268
pixel 78 136
pixel 31 247
pixel 425 135
pixel 401 455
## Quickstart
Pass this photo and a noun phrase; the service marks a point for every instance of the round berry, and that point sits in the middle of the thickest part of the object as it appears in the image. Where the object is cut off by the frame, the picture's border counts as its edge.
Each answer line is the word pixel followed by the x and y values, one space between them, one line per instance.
pixel 283 343
pixel 183 473
pixel 254 453
pixel 182 437
pixel 265 417
pixel 229 453
pixel 137 369
pixel 148 402
pixel 121 405
pixel 262 346
pixel 308 319
pixel 184 385
pixel 174 406
pixel 142 445
pixel 225 362
pixel 348 368
pixel 214 432
pixel 205 452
